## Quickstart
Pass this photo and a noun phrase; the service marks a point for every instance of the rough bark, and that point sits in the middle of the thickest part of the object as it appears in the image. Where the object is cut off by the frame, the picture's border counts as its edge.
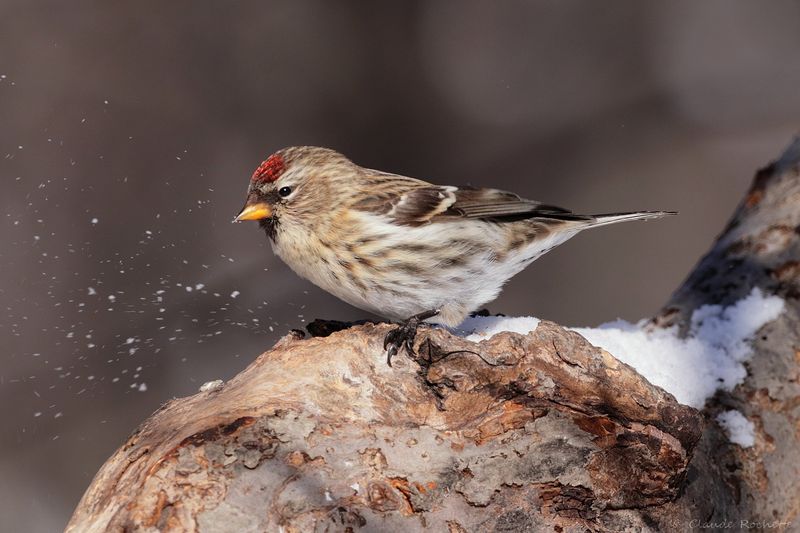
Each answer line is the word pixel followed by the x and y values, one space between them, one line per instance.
pixel 517 433
pixel 760 247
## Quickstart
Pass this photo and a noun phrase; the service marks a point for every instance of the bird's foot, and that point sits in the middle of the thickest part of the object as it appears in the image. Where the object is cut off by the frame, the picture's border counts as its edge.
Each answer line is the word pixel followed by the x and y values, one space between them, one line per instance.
pixel 403 336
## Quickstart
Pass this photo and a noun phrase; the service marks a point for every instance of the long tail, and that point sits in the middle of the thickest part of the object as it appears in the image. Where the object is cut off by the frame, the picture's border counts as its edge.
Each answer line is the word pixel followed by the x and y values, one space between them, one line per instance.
pixel 612 218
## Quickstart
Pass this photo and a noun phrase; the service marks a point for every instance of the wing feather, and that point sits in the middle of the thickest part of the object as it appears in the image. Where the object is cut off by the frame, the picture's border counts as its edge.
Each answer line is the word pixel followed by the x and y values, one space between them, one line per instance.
pixel 413 202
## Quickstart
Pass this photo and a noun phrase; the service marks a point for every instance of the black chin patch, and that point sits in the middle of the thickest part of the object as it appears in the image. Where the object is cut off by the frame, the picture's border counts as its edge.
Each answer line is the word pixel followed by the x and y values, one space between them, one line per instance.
pixel 269 225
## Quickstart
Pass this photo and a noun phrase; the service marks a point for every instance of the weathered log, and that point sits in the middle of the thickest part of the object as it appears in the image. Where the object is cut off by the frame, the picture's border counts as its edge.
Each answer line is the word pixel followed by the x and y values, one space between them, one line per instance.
pixel 760 247
pixel 322 433
pixel 516 433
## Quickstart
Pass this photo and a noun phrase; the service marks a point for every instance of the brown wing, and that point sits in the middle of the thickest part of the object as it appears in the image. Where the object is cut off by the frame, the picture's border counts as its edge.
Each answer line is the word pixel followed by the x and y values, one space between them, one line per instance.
pixel 412 202
pixel 494 204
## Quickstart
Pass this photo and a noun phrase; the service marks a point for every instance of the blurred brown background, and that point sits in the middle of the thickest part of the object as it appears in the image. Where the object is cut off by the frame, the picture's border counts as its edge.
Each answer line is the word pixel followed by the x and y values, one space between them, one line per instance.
pixel 128 131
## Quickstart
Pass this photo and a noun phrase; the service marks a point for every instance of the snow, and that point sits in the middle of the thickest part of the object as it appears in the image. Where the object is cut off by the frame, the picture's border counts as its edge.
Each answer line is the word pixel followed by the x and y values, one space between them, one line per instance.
pixel 739 429
pixel 211 385
pixel 710 357
pixel 478 328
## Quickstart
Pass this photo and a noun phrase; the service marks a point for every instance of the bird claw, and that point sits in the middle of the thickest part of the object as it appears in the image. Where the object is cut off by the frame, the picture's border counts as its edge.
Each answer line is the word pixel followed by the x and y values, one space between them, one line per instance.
pixel 393 346
pixel 391 352
pixel 404 335
pixel 400 337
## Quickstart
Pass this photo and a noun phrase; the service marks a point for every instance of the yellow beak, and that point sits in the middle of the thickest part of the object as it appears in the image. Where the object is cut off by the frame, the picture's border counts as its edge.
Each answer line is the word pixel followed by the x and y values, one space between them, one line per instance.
pixel 254 212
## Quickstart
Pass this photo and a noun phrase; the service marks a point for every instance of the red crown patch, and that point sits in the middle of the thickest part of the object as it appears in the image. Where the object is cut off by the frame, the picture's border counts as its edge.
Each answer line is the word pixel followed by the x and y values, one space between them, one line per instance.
pixel 270 170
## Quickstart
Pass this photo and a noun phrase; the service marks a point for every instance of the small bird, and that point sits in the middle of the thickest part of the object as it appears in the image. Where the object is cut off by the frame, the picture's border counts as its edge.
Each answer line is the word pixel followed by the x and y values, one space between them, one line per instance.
pixel 399 247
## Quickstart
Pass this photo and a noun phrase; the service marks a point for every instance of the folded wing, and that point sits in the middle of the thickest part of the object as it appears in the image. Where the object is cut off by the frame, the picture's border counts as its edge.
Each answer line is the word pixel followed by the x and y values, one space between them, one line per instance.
pixel 411 202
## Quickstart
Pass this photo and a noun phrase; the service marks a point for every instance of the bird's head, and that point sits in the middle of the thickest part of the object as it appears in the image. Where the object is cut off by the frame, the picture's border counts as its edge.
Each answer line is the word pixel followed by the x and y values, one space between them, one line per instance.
pixel 293 182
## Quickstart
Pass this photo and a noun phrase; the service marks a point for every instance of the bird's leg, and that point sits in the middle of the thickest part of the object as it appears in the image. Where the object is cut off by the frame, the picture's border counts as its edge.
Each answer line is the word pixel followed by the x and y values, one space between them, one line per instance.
pixel 404 335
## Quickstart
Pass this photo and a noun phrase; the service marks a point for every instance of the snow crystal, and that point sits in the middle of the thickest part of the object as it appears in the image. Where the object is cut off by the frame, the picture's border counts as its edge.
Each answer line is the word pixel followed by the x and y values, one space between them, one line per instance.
pixel 234 294
pixel 739 429
pixel 478 328
pixel 211 385
pixel 95 221
pixel 692 368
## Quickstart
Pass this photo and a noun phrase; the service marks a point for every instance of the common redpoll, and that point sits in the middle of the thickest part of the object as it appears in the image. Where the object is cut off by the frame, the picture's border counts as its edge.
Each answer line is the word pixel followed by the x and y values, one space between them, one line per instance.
pixel 399 247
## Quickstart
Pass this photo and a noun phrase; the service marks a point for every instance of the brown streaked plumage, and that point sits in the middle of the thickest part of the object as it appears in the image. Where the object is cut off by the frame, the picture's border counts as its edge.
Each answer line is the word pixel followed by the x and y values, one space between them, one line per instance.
pixel 399 246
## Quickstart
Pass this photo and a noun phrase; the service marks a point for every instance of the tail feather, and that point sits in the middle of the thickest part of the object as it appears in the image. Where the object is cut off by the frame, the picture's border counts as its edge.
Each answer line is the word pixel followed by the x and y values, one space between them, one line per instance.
pixel 612 218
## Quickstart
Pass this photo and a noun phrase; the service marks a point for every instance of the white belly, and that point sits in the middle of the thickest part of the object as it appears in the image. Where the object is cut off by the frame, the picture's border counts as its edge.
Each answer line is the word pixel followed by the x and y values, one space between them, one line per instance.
pixel 455 267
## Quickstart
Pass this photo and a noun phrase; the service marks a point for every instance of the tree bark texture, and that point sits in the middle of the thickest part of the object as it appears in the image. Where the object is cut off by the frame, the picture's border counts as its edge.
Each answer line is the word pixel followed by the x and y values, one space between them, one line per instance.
pixel 760 247
pixel 537 432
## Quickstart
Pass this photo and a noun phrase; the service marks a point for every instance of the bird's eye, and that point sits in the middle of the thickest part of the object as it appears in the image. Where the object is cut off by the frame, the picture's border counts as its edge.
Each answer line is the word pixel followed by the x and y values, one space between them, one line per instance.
pixel 285 191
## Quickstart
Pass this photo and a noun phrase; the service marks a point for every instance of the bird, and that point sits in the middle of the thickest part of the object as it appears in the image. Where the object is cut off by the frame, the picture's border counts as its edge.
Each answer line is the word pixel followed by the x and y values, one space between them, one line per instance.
pixel 399 247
